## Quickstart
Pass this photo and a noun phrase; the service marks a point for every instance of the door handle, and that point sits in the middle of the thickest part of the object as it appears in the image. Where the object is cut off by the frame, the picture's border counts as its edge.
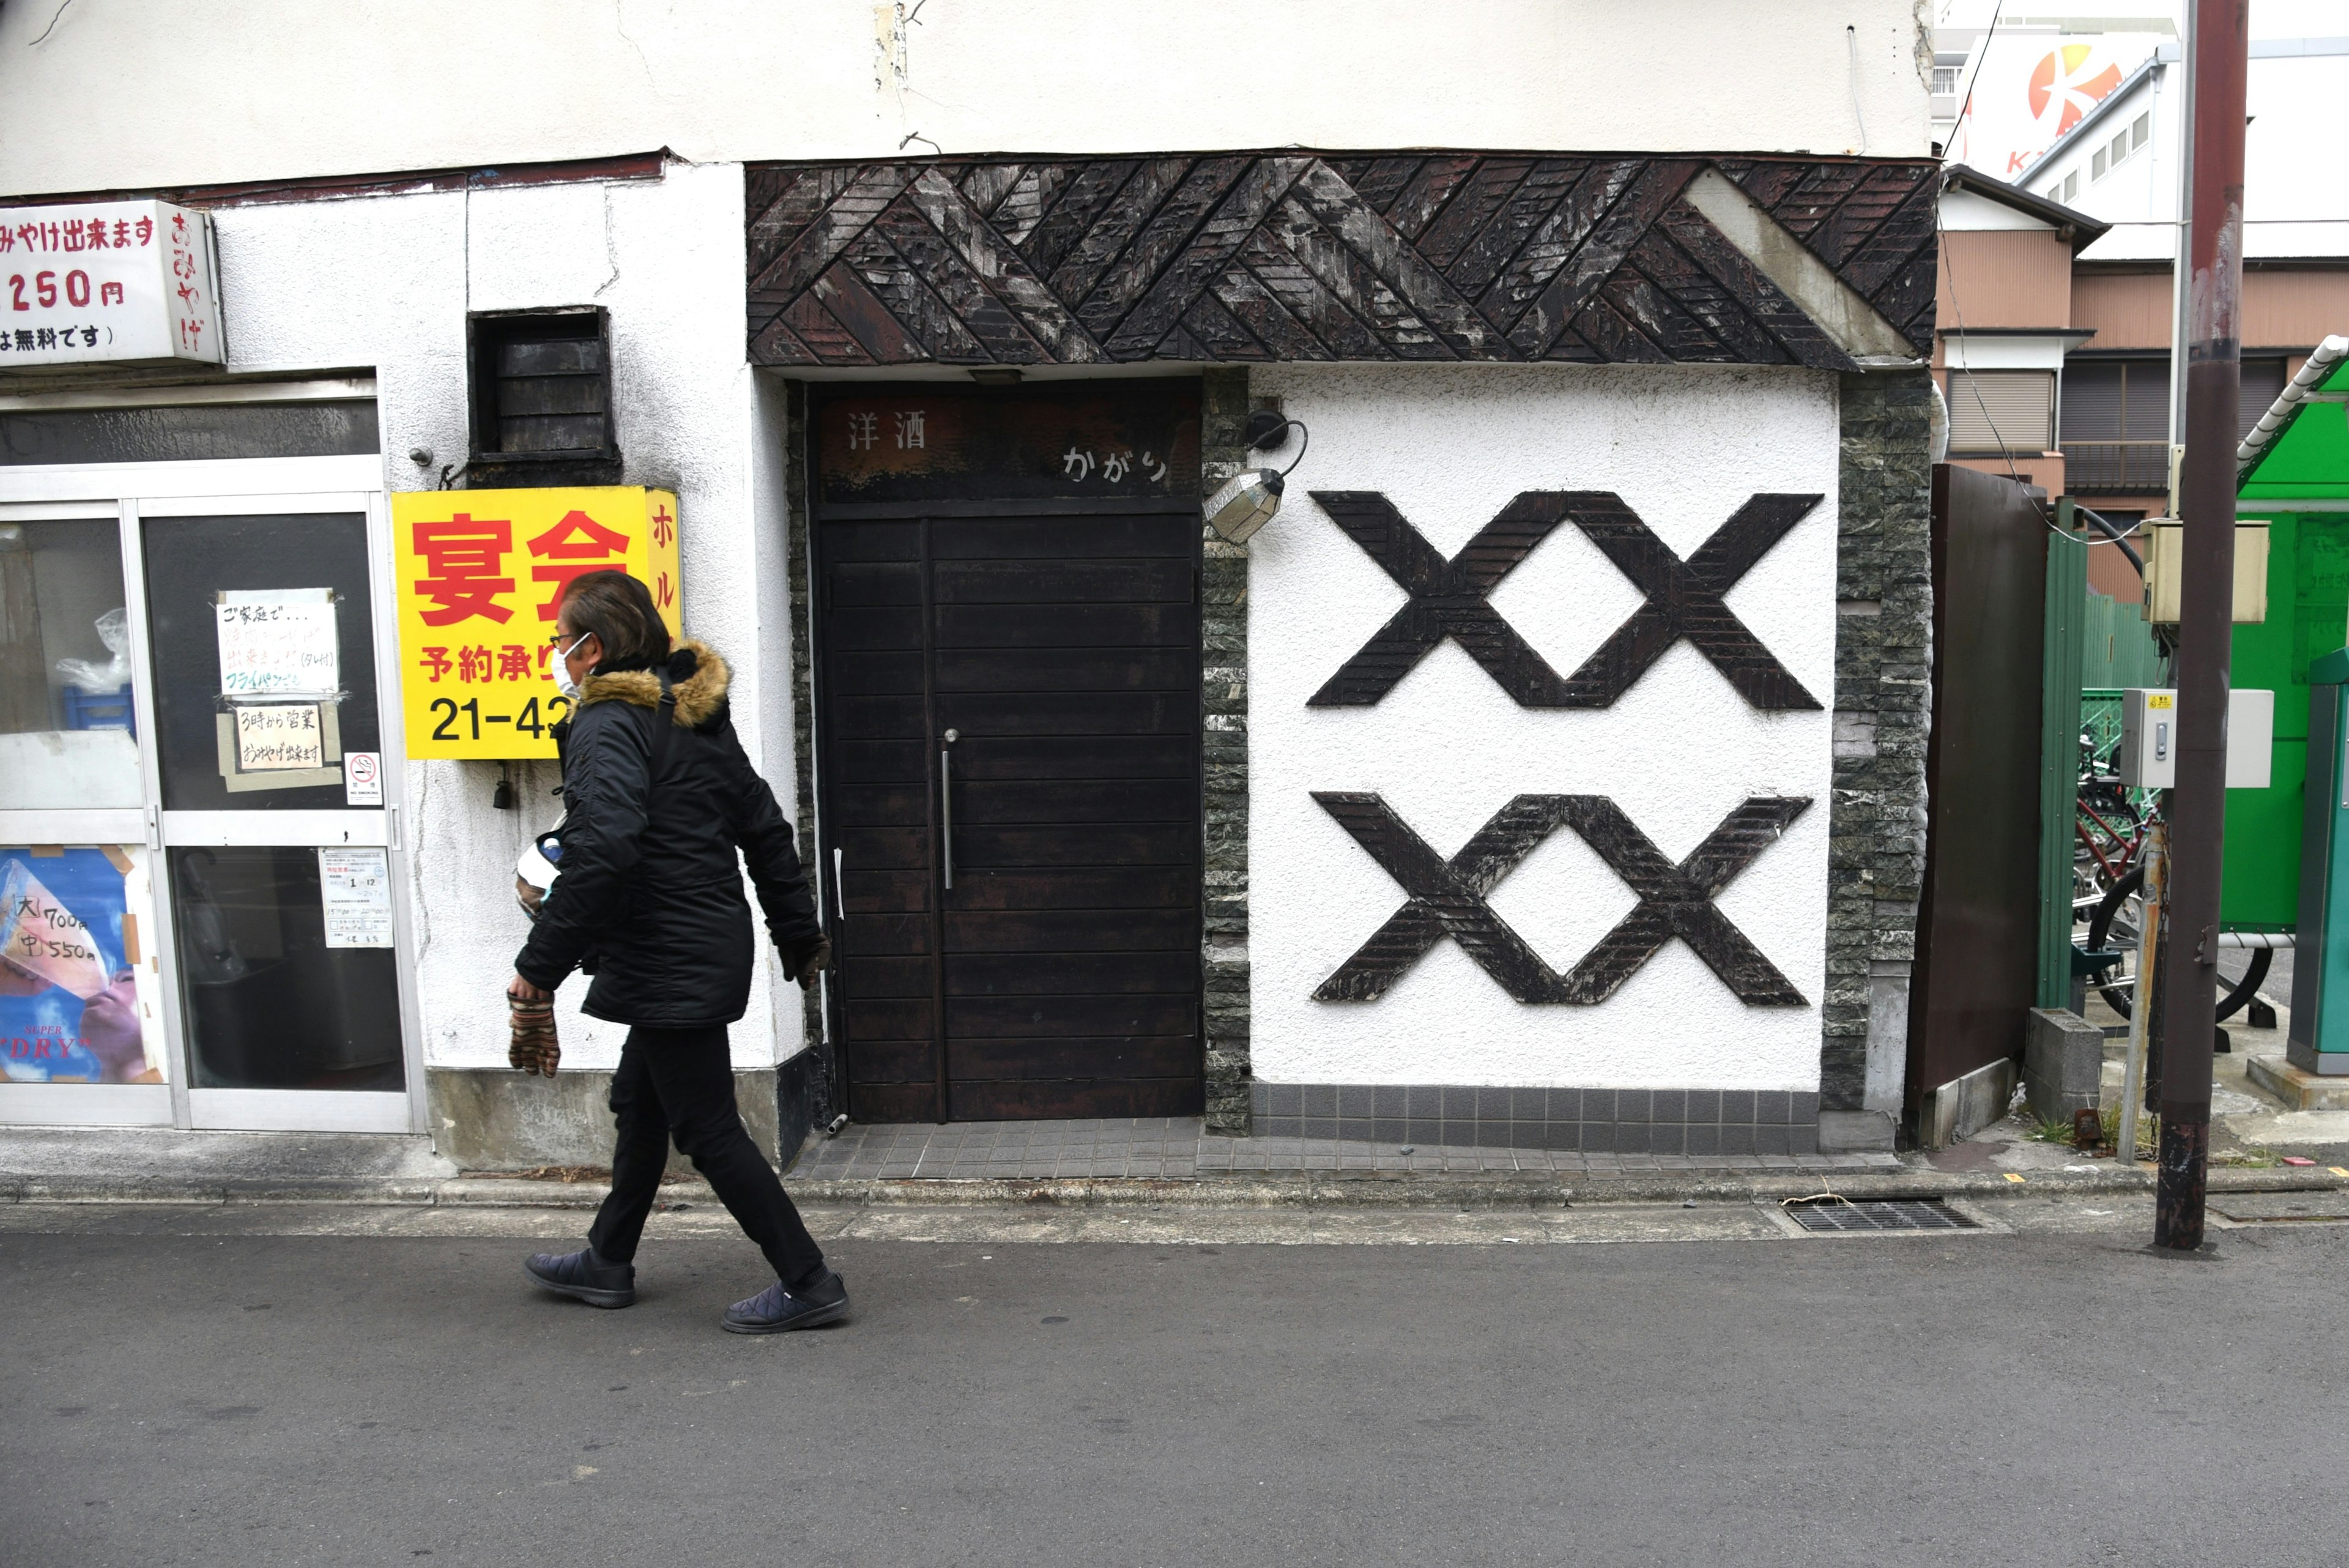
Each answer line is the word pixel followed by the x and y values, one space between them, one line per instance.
pixel 946 807
pixel 839 898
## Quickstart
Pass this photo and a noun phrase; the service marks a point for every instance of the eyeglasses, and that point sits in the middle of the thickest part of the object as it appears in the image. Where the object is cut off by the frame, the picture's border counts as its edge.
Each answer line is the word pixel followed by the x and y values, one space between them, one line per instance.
pixel 555 641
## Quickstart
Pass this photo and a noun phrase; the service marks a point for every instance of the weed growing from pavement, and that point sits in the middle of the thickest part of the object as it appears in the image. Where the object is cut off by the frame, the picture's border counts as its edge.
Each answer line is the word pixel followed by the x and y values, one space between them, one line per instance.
pixel 2148 1131
pixel 2148 1140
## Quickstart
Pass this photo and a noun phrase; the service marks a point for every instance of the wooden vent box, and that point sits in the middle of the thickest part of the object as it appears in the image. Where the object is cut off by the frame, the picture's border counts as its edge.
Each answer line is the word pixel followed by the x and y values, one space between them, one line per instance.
pixel 541 399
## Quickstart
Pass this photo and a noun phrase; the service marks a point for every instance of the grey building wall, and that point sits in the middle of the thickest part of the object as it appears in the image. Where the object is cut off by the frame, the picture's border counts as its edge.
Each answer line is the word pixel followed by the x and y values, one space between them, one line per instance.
pixel 1224 756
pixel 1883 707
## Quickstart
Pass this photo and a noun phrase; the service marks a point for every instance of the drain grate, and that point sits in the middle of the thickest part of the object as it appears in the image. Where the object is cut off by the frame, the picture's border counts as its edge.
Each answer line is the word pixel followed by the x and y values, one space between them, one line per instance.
pixel 1877 1214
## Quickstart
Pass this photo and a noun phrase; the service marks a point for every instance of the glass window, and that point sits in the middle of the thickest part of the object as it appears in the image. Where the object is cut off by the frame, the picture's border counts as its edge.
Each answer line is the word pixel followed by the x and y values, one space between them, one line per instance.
pixel 188 433
pixel 2262 383
pixel 278 993
pixel 2071 184
pixel 2116 424
pixel 2097 165
pixel 66 723
pixel 264 659
pixel 1994 411
pixel 2141 132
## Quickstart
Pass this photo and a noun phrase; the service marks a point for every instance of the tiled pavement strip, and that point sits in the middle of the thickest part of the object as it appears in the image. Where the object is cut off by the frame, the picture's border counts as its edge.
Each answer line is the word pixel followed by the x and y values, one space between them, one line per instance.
pixel 1178 1148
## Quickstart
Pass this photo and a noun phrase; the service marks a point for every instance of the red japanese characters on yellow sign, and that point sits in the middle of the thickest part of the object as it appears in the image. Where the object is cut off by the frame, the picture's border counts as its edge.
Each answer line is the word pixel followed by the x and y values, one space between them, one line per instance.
pixel 481 573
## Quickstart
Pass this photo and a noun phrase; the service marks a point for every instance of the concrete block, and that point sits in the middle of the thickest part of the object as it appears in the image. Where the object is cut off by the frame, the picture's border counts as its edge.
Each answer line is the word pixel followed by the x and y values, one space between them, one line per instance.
pixel 1856 1132
pixel 2299 1089
pixel 2063 1063
pixel 2319 1064
pixel 488 1119
pixel 1963 1106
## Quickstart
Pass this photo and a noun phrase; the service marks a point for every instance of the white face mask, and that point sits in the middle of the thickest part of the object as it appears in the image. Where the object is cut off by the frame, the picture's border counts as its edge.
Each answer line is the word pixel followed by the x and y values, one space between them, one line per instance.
pixel 563 681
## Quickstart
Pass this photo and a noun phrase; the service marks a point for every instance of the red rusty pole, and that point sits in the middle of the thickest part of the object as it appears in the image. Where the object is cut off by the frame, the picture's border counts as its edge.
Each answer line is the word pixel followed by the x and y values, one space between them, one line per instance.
pixel 2190 977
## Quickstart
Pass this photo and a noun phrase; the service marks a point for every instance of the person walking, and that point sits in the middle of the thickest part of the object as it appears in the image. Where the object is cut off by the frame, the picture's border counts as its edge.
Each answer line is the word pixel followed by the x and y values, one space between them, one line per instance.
pixel 658 798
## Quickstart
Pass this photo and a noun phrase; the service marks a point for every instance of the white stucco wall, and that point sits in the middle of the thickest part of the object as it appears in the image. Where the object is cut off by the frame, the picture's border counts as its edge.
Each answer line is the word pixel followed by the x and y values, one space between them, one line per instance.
pixel 132 93
pixel 1447 748
pixel 386 284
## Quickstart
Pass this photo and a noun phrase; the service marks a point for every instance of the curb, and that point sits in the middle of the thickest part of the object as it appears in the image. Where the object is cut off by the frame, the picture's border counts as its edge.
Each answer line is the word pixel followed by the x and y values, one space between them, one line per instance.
pixel 1335 1189
pixel 1326 1189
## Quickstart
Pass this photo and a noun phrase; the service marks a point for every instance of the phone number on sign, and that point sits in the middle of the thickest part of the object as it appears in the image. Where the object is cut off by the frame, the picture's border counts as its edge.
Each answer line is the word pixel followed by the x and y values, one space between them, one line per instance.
pixel 455 721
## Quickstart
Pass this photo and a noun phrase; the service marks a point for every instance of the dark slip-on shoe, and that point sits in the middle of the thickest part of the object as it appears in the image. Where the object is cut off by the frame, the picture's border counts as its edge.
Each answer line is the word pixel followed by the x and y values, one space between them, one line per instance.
pixel 779 1308
pixel 583 1276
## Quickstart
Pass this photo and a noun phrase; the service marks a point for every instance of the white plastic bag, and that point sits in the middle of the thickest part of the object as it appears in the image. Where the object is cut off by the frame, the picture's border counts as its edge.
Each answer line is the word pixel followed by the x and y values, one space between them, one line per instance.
pixel 103 679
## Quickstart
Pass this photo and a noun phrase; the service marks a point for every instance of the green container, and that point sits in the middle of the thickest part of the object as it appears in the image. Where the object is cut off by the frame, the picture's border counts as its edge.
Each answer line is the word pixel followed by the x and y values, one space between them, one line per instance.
pixel 2318 1042
pixel 2308 617
pixel 2296 477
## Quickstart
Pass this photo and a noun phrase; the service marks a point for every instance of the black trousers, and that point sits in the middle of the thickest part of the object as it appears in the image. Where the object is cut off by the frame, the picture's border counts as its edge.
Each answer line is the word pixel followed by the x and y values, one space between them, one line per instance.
pixel 679 1084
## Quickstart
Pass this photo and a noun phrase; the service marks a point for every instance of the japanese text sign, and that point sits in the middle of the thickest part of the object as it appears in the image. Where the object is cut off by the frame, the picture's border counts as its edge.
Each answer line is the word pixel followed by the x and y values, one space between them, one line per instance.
pixel 278 642
pixel 481 575
pixel 1109 441
pixel 103 282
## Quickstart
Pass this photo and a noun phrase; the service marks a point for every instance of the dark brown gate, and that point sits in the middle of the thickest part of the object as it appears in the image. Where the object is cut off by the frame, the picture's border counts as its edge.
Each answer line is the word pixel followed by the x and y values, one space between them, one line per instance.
pixel 1008 742
pixel 1976 971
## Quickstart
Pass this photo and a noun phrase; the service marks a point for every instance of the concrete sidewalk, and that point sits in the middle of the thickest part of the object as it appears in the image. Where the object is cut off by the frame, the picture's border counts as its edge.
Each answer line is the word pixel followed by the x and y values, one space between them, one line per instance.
pixel 2260 1109
pixel 46 1164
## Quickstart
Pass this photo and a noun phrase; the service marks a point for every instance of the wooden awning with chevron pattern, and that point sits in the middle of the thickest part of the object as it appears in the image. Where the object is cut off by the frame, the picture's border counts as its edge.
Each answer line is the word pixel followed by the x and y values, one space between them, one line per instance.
pixel 1293 255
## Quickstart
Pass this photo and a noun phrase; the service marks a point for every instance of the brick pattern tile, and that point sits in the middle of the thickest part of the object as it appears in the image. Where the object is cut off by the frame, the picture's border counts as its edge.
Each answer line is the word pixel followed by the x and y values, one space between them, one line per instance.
pixel 1705 1124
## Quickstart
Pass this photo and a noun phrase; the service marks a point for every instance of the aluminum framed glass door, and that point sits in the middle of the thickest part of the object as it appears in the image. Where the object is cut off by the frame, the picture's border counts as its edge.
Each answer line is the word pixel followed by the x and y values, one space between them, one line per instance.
pixel 270 773
pixel 82 1030
pixel 191 652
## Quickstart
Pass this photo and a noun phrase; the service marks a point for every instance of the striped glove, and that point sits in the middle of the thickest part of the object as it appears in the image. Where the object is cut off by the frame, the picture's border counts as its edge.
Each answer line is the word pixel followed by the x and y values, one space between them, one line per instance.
pixel 534 1048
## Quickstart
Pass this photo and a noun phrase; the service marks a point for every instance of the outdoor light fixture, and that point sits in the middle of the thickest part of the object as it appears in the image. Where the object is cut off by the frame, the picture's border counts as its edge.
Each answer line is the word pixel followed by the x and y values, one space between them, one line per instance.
pixel 1249 500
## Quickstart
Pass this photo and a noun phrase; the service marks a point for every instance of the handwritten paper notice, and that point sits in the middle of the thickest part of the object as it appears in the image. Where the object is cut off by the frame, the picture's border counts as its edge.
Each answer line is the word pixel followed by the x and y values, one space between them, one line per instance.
pixel 356 884
pixel 278 642
pixel 41 943
pixel 275 736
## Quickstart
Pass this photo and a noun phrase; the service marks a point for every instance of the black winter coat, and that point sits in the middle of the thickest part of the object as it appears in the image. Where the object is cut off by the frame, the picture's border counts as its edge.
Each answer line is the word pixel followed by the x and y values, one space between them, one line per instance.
pixel 650 894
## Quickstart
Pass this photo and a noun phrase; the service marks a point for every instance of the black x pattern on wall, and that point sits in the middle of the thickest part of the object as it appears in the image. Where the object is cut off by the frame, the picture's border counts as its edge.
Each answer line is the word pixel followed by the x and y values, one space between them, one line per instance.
pixel 1451 598
pixel 1448 897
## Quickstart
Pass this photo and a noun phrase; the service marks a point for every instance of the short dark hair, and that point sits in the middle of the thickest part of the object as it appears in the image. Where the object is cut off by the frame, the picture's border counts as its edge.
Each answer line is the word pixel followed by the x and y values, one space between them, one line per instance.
pixel 618 609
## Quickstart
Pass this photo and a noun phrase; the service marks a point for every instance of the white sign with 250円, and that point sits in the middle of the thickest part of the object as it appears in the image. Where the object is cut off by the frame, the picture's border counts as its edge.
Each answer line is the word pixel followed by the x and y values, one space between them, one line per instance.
pixel 101 282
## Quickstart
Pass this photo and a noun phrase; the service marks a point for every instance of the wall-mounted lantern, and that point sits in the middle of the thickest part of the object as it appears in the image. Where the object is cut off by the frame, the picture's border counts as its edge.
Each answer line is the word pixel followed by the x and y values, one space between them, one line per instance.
pixel 1248 501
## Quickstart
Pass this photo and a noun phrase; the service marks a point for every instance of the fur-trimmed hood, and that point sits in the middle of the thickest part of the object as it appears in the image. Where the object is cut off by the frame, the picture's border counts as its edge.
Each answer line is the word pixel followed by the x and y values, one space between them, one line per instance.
pixel 696 674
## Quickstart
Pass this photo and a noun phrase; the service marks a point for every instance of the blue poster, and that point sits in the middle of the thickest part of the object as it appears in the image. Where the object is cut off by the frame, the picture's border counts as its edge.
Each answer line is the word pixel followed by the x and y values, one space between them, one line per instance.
pixel 68 1001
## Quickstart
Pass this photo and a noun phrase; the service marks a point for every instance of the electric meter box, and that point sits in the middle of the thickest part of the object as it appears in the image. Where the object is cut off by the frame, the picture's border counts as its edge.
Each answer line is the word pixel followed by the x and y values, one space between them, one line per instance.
pixel 2149 752
pixel 2165 550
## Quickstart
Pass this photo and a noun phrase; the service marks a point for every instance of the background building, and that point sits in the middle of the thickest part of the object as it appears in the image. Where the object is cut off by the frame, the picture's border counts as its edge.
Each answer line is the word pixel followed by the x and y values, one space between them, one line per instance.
pixel 937 325
pixel 2073 383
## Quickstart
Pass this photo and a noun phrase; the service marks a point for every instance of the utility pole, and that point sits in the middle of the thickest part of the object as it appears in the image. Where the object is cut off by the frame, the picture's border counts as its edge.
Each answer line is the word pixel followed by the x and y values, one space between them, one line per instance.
pixel 2189 973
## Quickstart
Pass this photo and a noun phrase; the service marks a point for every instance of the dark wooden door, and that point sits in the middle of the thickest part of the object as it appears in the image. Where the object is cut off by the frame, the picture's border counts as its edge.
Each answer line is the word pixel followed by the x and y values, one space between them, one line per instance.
pixel 1021 935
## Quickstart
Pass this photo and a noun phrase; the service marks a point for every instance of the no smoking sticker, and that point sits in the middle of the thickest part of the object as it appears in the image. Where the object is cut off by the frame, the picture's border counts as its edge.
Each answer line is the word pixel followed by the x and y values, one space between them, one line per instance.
pixel 362 778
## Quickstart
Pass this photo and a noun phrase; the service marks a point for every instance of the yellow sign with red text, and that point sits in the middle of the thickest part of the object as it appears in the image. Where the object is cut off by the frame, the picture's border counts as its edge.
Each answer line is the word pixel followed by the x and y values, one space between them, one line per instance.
pixel 480 573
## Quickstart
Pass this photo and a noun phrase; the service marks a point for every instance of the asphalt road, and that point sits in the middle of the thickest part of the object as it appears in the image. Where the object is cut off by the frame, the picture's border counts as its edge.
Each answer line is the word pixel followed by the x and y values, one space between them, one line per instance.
pixel 2055 1399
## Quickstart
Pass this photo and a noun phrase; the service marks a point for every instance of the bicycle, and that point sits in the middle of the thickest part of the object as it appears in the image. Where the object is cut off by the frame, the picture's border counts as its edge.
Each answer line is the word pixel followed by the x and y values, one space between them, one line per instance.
pixel 2119 916
pixel 2110 820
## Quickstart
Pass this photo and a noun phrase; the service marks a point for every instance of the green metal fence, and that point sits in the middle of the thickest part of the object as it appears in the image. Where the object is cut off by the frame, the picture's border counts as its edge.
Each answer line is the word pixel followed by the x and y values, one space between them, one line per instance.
pixel 2118 649
pixel 2100 716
